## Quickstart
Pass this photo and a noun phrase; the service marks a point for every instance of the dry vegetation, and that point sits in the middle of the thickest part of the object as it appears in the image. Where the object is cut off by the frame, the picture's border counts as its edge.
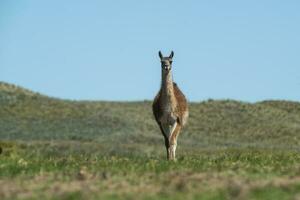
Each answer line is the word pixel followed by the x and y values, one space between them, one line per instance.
pixel 58 149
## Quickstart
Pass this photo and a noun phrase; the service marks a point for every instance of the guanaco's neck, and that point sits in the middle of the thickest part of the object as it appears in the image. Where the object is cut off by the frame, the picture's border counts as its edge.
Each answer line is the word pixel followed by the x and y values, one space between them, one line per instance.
pixel 167 86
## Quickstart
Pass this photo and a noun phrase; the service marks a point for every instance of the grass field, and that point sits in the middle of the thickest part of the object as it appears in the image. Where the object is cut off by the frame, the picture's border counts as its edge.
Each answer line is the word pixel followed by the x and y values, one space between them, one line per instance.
pixel 59 149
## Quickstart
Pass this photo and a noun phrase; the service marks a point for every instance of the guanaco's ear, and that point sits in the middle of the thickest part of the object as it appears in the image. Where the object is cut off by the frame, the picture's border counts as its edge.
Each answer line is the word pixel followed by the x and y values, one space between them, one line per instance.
pixel 160 55
pixel 172 54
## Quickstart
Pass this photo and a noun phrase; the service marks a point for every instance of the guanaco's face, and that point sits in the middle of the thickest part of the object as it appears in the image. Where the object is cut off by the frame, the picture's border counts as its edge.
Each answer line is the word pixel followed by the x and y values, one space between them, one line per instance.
pixel 166 62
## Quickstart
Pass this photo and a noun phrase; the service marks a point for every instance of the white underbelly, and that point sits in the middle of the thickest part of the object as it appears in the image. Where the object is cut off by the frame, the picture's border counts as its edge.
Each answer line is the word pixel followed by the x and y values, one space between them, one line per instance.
pixel 169 129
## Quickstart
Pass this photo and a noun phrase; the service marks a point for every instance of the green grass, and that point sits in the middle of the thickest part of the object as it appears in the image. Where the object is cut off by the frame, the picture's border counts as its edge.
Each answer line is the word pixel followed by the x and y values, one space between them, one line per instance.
pixel 31 158
pixel 67 170
pixel 60 149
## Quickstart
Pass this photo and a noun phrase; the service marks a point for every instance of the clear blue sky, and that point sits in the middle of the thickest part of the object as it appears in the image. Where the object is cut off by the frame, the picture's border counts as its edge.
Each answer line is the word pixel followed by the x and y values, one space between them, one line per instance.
pixel 107 50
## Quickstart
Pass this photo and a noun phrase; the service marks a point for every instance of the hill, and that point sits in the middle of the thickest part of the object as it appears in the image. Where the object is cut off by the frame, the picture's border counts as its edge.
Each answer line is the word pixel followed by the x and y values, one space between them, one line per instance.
pixel 60 149
pixel 26 115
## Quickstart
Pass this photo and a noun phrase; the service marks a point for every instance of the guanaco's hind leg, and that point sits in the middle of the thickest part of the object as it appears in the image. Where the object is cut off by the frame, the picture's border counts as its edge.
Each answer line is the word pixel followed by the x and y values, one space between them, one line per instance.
pixel 166 140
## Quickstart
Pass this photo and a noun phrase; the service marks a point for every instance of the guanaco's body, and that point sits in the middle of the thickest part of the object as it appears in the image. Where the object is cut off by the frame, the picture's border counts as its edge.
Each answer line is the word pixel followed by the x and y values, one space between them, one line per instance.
pixel 170 107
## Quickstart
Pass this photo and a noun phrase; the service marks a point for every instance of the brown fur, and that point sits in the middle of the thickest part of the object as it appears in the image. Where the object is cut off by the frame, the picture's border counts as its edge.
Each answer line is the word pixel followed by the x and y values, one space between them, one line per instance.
pixel 180 109
pixel 170 107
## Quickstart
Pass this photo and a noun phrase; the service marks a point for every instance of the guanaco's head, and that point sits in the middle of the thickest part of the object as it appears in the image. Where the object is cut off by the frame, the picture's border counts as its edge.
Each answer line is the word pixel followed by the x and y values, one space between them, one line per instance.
pixel 166 62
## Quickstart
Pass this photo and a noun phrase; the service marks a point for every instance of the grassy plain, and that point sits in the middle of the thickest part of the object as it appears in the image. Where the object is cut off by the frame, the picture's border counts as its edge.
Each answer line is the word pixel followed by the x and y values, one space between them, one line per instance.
pixel 61 149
